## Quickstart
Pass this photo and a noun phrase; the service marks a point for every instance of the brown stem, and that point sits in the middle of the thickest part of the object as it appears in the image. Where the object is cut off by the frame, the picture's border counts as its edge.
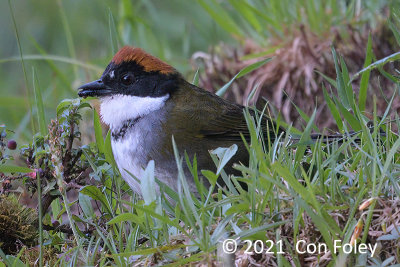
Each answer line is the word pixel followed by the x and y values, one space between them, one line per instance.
pixel 68 153
pixel 46 202
pixel 63 229
pixel 78 155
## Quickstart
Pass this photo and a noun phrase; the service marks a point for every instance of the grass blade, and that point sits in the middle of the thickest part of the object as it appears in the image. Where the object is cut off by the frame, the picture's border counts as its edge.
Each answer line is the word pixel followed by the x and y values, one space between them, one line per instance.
pixel 377 64
pixel 68 34
pixel 56 58
pixel 304 138
pixel 362 96
pixel 98 132
pixel 339 81
pixel 218 13
pixel 21 58
pixel 39 104
pixel 332 107
pixel 196 78
pixel 241 73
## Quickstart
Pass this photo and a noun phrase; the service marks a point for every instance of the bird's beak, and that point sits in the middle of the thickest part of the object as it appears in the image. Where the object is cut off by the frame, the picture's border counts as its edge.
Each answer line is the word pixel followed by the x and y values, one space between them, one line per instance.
pixel 95 88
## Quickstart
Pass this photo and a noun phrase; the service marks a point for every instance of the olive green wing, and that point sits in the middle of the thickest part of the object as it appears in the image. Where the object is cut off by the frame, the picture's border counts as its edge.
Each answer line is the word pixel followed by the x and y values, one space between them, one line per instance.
pixel 231 124
pixel 200 114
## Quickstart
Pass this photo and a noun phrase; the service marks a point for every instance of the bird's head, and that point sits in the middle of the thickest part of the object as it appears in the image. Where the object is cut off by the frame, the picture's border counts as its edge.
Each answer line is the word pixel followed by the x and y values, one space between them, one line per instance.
pixel 132 72
pixel 134 84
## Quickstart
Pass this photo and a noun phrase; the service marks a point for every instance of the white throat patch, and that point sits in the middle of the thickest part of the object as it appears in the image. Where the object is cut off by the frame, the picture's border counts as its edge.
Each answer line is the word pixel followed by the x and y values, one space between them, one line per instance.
pixel 116 109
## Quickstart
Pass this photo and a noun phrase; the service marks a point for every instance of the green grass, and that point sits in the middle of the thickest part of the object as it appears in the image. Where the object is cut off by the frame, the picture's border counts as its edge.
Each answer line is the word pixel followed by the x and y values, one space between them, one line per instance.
pixel 297 189
pixel 282 194
pixel 264 20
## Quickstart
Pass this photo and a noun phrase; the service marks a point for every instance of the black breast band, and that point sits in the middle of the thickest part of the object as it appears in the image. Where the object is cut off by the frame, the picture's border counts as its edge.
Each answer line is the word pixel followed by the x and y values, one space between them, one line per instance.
pixel 122 131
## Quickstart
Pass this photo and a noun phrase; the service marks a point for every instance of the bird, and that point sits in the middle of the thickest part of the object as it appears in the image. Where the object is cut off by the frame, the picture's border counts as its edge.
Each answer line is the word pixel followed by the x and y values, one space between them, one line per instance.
pixel 145 102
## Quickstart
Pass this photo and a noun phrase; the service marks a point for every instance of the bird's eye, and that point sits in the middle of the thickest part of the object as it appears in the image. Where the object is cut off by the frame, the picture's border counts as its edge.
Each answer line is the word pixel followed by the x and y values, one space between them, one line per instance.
pixel 127 79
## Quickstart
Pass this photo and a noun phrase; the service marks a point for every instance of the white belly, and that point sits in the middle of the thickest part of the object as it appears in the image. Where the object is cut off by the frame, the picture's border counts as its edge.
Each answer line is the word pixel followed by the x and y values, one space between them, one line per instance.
pixel 133 149
pixel 127 152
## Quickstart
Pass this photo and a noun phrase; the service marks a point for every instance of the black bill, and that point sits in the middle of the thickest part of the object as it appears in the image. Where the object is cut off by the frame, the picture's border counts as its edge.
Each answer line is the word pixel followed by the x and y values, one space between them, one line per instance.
pixel 95 88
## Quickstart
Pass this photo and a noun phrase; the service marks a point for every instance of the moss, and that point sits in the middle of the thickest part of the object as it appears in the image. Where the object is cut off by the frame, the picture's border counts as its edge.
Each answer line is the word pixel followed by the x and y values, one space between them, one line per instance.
pixel 17 225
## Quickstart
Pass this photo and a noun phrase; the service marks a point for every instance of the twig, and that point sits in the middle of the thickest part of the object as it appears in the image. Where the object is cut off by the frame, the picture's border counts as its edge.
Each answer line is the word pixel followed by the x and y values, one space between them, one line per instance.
pixel 68 153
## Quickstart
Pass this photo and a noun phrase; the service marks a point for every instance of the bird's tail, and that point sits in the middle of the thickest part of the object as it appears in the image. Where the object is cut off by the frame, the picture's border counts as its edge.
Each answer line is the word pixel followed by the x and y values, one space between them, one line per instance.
pixel 335 137
pixel 339 138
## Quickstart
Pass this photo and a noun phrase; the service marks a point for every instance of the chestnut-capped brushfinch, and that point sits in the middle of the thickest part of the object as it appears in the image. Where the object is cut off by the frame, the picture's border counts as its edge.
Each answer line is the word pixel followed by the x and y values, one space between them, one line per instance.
pixel 145 102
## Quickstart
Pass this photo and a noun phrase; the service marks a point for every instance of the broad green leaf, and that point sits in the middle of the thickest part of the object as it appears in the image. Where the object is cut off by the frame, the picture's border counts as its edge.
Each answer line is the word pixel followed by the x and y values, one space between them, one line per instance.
pixel 211 177
pixel 224 155
pixel 55 209
pixel 243 207
pixel 86 205
pixel 13 169
pixel 63 105
pixel 126 217
pixel 84 105
pixel 95 193
pixel 148 184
